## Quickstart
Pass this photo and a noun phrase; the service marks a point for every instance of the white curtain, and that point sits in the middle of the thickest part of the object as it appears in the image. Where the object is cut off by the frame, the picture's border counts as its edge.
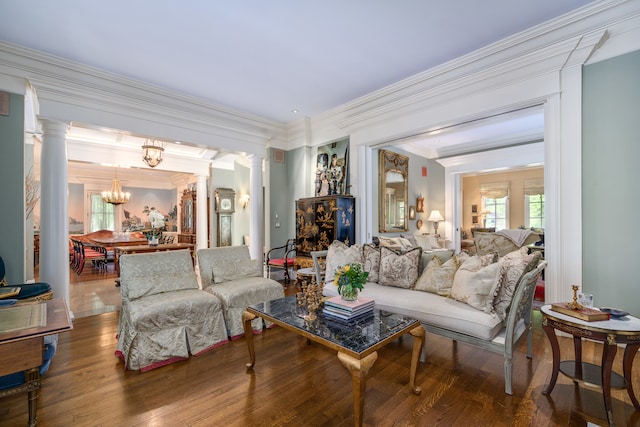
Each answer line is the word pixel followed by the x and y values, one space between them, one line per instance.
pixel 495 190
pixel 533 187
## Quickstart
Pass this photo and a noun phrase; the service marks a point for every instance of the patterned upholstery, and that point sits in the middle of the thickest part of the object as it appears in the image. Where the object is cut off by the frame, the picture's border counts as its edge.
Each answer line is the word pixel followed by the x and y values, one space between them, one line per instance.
pixel 217 268
pixel 165 317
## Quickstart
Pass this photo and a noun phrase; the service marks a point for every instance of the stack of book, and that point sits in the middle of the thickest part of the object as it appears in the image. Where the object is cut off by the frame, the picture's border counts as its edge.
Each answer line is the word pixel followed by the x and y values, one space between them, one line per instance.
pixel 348 311
pixel 585 313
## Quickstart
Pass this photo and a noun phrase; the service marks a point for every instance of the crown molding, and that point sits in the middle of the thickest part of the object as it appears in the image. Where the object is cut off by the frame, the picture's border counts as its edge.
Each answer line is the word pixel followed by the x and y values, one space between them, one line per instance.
pixel 521 56
pixel 67 89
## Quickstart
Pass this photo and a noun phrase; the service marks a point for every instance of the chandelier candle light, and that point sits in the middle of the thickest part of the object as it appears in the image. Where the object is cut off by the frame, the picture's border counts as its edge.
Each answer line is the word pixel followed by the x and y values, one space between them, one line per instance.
pixel 116 196
pixel 152 152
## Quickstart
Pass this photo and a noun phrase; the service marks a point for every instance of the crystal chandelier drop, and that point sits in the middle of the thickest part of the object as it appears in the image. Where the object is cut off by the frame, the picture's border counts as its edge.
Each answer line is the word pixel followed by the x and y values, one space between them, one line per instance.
pixel 152 152
pixel 116 196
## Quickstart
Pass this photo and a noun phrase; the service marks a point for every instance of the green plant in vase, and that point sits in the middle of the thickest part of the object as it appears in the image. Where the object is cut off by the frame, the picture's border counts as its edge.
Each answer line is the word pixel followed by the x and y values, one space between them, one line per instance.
pixel 350 280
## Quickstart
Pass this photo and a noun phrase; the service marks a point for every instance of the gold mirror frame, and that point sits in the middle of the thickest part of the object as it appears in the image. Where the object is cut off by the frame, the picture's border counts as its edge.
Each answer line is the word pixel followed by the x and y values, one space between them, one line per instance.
pixel 393 199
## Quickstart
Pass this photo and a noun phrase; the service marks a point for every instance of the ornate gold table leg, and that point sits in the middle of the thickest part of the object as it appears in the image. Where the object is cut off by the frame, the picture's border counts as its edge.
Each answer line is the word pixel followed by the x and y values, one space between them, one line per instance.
pixel 32 377
pixel 418 341
pixel 358 370
pixel 248 334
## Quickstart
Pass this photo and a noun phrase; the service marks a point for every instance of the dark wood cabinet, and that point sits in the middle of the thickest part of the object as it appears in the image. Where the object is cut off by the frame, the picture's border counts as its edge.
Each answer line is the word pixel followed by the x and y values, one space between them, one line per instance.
pixel 188 217
pixel 321 220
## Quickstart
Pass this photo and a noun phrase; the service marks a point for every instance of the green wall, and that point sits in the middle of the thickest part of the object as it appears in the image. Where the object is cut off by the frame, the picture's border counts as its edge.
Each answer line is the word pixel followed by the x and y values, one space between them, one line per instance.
pixel 610 175
pixel 12 223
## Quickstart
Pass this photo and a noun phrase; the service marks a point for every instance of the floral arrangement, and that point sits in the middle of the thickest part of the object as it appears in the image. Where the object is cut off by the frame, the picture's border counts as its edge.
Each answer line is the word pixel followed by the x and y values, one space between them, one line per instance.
pixel 350 279
pixel 157 221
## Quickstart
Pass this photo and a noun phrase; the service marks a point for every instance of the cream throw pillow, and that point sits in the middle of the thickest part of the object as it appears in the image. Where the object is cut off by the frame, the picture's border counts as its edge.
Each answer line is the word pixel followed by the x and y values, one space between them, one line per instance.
pixel 427 242
pixel 338 255
pixel 399 269
pixel 476 285
pixel 438 277
pixel 371 258
pixel 225 271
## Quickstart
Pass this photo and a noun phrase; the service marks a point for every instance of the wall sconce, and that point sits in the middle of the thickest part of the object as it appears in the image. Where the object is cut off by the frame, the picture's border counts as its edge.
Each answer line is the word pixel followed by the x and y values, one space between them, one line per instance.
pixel 244 201
pixel 420 204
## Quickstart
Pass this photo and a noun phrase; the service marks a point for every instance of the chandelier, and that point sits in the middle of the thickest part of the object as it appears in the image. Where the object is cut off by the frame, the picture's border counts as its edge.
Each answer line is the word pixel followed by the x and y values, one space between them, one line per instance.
pixel 115 196
pixel 152 152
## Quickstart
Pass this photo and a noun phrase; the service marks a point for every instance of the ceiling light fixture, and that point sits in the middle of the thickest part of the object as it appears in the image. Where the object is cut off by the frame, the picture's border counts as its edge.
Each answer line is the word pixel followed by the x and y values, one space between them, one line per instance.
pixel 116 196
pixel 152 152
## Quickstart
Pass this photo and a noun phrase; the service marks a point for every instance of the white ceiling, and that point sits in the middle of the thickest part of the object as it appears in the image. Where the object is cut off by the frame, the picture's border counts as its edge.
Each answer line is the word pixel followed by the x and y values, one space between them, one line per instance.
pixel 269 58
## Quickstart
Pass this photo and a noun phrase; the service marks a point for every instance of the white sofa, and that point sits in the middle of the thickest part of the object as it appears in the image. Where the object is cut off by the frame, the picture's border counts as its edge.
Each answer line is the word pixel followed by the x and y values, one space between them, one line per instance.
pixel 458 320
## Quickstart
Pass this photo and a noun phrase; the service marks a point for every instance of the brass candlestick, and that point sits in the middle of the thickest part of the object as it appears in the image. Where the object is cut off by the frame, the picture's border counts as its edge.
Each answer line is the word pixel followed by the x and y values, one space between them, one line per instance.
pixel 575 305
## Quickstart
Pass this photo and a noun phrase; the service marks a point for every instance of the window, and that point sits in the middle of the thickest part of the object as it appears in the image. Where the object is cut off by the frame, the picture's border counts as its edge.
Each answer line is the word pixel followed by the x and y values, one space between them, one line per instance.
pixel 495 201
pixel 534 211
pixel 101 215
pixel 496 212
pixel 534 203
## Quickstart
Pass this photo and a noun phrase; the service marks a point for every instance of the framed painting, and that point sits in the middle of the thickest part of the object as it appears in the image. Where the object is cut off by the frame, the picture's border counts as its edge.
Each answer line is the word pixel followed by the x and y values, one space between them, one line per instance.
pixel 331 175
pixel 412 212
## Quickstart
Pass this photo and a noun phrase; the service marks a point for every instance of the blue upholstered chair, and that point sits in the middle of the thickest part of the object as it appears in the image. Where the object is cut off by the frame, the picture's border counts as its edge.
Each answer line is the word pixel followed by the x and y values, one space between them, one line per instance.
pixel 39 291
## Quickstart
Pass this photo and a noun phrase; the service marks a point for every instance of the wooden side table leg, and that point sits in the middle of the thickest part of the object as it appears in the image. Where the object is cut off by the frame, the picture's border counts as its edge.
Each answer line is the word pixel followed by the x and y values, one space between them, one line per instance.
pixel 627 364
pixel 248 335
pixel 418 342
pixel 577 349
pixel 358 370
pixel 608 354
pixel 555 349
pixel 32 377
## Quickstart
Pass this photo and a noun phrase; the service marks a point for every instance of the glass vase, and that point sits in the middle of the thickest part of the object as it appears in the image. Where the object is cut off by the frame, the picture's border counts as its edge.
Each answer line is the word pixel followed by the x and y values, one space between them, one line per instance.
pixel 347 293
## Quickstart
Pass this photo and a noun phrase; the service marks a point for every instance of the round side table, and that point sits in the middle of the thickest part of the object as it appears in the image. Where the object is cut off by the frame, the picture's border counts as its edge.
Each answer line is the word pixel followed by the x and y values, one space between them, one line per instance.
pixel 611 333
pixel 304 274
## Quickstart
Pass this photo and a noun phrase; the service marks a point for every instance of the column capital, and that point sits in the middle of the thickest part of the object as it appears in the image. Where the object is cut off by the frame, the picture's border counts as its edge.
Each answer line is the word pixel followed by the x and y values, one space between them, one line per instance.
pixel 54 127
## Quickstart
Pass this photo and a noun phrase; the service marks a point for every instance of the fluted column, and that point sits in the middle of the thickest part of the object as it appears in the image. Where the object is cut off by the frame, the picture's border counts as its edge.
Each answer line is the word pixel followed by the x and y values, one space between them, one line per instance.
pixel 54 217
pixel 202 226
pixel 256 221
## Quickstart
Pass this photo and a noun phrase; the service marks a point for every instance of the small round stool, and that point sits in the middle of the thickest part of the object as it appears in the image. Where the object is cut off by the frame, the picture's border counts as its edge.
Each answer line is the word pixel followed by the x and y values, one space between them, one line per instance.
pixel 304 274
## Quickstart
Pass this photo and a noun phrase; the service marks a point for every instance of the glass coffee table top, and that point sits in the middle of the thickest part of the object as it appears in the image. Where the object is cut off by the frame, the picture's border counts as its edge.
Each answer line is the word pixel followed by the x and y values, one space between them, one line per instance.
pixel 356 337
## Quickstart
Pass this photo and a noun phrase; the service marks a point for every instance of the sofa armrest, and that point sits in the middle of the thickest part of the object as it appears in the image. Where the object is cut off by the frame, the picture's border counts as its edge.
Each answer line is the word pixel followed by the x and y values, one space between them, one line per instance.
pixel 521 305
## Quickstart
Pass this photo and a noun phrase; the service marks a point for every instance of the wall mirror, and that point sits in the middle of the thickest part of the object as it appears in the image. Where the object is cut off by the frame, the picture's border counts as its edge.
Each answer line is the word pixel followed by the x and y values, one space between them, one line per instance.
pixel 392 198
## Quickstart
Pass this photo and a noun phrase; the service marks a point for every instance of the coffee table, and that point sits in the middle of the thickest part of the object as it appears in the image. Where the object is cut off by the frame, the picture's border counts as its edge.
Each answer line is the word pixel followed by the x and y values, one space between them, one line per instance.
pixel 356 344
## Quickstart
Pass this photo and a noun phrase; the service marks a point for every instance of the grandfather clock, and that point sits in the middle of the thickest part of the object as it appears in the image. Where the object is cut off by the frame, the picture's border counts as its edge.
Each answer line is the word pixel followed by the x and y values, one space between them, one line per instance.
pixel 225 207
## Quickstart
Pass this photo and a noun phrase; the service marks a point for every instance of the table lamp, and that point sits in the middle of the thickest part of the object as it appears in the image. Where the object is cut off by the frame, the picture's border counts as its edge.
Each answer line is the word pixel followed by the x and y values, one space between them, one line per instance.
pixel 435 216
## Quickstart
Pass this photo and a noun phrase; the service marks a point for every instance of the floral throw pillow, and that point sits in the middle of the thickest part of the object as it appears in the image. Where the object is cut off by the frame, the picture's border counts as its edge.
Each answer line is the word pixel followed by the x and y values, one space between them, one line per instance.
pixel 399 269
pixel 371 258
pixel 476 285
pixel 437 277
pixel 338 255
pixel 511 270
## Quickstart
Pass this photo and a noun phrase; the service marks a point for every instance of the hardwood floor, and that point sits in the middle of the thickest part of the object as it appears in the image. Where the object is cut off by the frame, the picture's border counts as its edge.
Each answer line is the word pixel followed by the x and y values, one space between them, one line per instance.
pixel 297 384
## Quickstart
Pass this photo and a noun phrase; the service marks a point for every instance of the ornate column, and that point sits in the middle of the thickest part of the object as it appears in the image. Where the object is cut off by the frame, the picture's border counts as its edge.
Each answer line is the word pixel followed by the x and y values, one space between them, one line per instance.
pixel 202 226
pixel 54 217
pixel 256 220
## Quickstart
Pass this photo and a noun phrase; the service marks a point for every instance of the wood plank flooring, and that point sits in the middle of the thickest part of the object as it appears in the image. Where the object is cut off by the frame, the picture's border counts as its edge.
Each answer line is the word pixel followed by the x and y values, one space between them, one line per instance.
pixel 300 384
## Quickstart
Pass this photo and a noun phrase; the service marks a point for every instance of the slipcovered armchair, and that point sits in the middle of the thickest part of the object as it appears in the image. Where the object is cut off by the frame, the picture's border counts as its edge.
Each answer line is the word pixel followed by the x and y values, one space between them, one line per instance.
pixel 230 274
pixel 165 317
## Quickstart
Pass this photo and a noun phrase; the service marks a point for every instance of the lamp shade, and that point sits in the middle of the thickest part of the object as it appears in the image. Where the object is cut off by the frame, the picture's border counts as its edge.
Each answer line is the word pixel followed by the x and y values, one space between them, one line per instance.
pixel 435 216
